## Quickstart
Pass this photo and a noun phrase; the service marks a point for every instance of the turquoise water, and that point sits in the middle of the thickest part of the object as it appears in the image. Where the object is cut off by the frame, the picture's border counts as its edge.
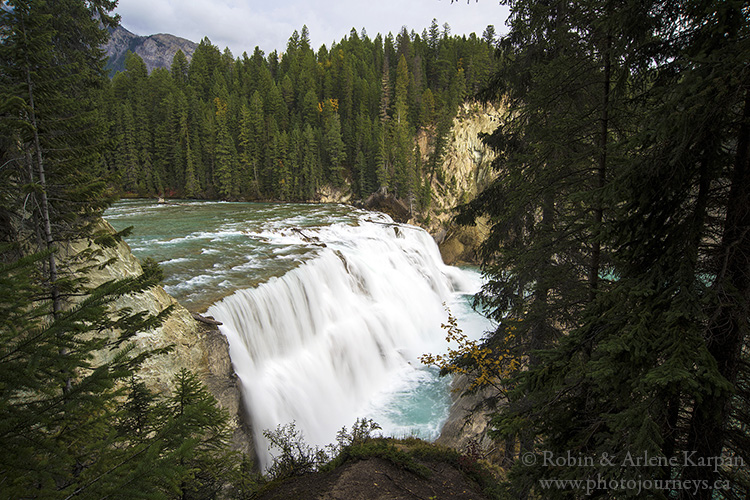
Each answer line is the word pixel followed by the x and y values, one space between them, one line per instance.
pixel 326 308
pixel 210 249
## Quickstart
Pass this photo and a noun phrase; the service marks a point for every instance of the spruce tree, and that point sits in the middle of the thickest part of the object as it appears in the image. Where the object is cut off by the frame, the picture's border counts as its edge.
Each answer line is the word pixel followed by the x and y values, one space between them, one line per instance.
pixel 334 148
pixel 358 74
pixel 311 168
pixel 65 347
pixel 225 175
pixel 609 259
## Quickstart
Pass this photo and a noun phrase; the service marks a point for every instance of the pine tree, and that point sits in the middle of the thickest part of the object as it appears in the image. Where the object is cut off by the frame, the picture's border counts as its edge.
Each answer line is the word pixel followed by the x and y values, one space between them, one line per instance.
pixel 489 35
pixel 257 126
pixel 62 426
pixel 128 164
pixel 198 437
pixel 283 167
pixel 356 73
pixel 56 429
pixel 403 167
pixel 245 147
pixel 311 169
pixel 179 68
pixel 608 259
pixel 335 149
pixel 226 178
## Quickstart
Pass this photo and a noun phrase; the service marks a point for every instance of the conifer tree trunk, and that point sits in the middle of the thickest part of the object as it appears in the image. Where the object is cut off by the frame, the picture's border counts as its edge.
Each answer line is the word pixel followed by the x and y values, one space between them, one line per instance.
pixel 728 327
pixel 44 202
pixel 601 172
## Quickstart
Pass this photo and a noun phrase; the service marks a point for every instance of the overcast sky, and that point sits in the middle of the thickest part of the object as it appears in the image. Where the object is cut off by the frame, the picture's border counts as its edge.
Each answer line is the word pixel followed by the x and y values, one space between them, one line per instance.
pixel 242 25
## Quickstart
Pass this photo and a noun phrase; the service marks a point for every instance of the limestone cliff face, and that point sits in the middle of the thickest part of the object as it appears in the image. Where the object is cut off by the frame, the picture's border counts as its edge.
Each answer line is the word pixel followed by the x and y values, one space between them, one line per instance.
pixel 467 160
pixel 466 170
pixel 197 346
pixel 330 194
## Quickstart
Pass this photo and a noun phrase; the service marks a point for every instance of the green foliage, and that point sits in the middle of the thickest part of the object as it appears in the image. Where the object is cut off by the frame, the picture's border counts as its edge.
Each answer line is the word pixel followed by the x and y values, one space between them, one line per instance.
pixel 487 364
pixel 58 405
pixel 90 435
pixel 295 457
pixel 361 432
pixel 75 420
pixel 614 217
pixel 386 450
pixel 197 436
pixel 293 123
pixel 411 454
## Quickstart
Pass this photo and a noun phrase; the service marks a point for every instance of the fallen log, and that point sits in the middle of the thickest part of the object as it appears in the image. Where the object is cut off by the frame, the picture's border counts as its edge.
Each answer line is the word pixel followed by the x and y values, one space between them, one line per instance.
pixel 207 320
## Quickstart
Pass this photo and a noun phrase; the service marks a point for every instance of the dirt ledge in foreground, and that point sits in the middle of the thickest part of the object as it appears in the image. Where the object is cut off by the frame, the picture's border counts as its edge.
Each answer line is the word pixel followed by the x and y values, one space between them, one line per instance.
pixel 377 479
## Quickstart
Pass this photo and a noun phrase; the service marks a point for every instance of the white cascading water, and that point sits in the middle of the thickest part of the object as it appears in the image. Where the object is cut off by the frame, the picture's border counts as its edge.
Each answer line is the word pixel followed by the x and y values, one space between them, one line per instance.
pixel 315 345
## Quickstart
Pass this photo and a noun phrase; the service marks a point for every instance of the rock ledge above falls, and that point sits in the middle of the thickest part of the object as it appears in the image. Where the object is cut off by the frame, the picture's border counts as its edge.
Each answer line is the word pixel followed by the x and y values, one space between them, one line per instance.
pixel 198 347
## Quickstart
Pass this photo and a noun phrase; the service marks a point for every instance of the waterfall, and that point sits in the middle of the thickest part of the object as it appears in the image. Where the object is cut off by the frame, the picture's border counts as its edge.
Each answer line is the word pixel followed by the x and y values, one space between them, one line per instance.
pixel 315 345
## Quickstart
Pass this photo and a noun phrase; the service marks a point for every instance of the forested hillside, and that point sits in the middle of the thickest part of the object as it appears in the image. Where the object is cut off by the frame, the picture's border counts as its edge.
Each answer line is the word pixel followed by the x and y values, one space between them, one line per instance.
pixel 280 126
pixel 81 415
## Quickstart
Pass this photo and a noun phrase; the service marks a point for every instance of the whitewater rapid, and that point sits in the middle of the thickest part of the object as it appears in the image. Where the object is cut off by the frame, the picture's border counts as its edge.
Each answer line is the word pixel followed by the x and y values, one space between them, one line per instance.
pixel 339 336
pixel 326 308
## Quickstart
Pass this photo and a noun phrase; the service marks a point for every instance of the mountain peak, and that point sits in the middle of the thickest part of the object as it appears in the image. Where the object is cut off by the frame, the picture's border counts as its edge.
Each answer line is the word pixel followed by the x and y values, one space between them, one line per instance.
pixel 156 51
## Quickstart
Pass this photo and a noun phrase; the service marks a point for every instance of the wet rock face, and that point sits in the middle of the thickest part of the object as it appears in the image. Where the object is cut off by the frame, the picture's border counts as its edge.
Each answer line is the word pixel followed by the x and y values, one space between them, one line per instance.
pixel 460 245
pixel 197 346
pixel 468 422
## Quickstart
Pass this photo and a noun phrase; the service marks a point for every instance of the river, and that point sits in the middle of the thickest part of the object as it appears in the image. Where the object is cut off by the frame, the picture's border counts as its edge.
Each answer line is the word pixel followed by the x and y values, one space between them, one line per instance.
pixel 327 308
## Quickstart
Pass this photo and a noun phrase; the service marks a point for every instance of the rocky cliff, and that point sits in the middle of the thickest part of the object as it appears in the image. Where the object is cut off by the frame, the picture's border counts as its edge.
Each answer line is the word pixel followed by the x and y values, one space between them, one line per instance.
pixel 157 51
pixel 466 170
pixel 197 346
pixel 468 422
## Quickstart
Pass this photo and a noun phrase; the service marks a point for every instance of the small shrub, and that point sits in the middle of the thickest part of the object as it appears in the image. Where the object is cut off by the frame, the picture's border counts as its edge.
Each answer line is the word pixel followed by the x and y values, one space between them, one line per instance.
pixel 296 457
pixel 361 431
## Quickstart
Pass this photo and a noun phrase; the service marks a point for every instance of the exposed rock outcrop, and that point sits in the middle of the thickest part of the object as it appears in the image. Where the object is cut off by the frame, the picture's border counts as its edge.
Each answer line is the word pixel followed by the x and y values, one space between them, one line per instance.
pixel 459 245
pixel 466 170
pixel 197 346
pixel 468 422
pixel 389 204
pixel 330 194
pixel 157 51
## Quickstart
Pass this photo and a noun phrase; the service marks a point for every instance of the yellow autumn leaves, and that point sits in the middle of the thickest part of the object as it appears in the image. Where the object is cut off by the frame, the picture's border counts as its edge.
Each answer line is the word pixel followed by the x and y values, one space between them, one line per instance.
pixel 331 105
pixel 485 365
pixel 221 107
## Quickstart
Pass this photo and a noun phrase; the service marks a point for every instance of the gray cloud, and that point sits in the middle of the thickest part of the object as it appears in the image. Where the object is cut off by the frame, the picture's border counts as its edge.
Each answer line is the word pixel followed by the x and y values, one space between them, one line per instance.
pixel 268 24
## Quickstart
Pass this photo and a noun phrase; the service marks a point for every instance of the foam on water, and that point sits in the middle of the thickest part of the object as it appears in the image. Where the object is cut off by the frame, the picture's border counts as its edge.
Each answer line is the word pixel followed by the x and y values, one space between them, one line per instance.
pixel 178 260
pixel 340 336
pixel 326 308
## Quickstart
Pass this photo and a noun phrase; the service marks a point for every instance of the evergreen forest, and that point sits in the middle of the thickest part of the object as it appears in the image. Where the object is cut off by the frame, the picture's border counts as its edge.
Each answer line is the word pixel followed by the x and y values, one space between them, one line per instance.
pixel 76 418
pixel 281 126
pixel 617 260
